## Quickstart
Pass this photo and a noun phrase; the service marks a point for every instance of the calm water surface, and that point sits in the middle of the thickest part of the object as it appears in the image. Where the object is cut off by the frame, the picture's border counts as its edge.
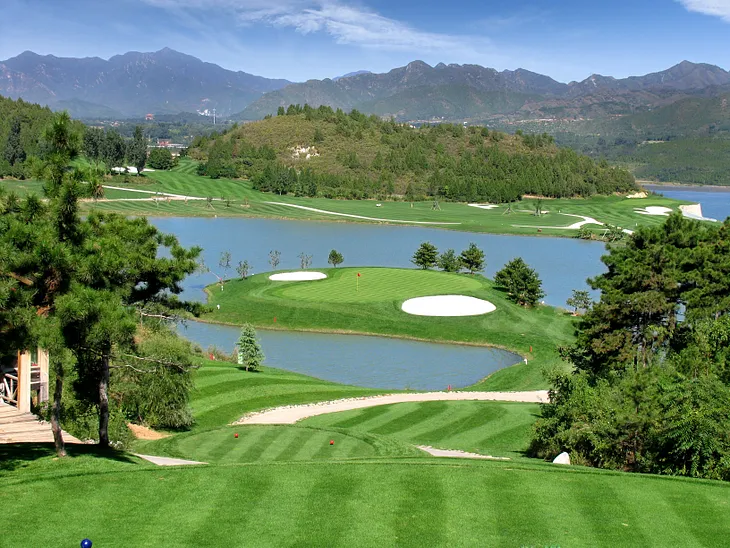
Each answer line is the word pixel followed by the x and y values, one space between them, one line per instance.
pixel 715 201
pixel 372 362
pixel 564 264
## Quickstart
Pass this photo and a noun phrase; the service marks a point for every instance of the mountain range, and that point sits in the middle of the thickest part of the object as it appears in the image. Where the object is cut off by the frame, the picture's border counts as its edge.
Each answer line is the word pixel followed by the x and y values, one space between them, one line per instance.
pixel 130 85
pixel 167 81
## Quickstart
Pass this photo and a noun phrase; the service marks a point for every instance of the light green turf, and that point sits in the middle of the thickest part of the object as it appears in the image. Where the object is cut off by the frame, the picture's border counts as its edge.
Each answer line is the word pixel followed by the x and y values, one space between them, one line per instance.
pixel 377 285
pixel 384 502
pixel 258 300
pixel 244 201
pixel 487 428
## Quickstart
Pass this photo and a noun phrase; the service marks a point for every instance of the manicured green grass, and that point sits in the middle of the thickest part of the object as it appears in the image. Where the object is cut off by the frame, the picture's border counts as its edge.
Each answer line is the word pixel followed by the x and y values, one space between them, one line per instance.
pixel 489 428
pixel 386 502
pixel 295 306
pixel 244 201
pixel 378 285
pixel 224 392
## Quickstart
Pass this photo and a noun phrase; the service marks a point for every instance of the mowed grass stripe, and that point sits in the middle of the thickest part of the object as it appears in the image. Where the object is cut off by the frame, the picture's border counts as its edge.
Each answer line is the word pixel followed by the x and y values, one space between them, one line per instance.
pixel 378 285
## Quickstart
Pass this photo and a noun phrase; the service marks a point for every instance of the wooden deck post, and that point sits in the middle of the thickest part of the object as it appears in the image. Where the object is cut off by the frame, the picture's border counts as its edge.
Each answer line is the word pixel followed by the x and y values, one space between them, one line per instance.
pixel 43 362
pixel 24 382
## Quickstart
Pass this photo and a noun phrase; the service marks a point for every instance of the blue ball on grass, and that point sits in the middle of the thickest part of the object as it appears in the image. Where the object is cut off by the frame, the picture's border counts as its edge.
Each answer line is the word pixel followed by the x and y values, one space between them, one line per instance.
pixel 86 543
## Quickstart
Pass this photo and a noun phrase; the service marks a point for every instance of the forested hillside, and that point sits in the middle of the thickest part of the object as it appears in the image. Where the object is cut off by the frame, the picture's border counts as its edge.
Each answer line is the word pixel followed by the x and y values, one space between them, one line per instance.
pixel 321 152
pixel 21 127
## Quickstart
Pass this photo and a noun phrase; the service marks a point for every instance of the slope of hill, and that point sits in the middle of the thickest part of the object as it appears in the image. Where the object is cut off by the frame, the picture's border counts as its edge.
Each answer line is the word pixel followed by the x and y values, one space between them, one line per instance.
pixel 133 84
pixel 319 152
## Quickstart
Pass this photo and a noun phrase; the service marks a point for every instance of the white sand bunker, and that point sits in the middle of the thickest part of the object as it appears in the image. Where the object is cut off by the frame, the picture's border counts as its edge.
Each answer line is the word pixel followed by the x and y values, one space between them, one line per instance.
pixel 297 276
pixel 654 210
pixel 484 206
pixel 447 305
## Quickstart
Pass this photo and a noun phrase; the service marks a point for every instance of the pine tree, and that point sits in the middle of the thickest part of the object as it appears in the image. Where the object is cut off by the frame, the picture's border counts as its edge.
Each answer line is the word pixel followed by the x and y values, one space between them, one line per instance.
pixel 335 258
pixel 250 354
pixel 472 258
pixel 426 256
pixel 521 282
pixel 14 152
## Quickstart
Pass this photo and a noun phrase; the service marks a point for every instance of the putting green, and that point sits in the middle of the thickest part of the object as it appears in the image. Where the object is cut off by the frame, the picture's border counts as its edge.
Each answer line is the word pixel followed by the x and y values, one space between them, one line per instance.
pixel 378 285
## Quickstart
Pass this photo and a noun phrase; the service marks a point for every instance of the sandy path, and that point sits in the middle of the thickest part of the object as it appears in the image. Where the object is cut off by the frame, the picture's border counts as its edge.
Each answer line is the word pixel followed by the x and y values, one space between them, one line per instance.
pixel 167 461
pixel 455 454
pixel 359 216
pixel 574 226
pixel 293 413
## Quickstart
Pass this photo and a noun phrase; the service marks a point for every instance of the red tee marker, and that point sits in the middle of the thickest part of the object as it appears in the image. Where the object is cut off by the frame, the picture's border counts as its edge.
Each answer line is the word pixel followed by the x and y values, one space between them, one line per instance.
pixel 274 319
pixel 235 435
pixel 332 442
pixel 530 348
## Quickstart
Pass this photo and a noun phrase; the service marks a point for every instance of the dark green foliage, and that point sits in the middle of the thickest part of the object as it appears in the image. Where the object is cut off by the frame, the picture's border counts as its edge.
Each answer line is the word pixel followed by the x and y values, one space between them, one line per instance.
pixel 155 388
pixel 426 256
pixel 113 149
pixel 448 261
pixel 579 300
pixel 13 148
pixel 472 259
pixel 521 282
pixel 363 157
pixel 335 258
pixel 651 389
pixel 93 143
pixel 160 158
pixel 137 150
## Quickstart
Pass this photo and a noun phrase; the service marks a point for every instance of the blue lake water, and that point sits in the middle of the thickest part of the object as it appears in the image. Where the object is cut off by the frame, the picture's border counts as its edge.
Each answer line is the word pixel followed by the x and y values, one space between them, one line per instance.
pixel 715 201
pixel 563 264
pixel 373 362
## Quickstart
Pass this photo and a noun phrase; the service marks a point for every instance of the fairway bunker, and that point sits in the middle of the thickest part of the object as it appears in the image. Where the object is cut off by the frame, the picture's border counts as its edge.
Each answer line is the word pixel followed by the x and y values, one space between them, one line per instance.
pixel 297 276
pixel 447 306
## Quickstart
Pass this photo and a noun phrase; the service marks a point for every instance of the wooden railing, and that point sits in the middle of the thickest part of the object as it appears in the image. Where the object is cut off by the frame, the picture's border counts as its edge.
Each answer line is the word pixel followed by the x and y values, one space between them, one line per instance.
pixel 9 389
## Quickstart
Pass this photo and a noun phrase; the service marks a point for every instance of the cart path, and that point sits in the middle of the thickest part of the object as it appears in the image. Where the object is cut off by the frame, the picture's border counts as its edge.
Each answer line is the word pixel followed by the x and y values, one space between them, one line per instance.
pixel 359 216
pixel 291 414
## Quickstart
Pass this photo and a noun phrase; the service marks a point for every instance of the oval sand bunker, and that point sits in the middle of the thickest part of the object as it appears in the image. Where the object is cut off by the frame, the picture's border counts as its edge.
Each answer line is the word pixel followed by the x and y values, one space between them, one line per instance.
pixel 297 276
pixel 447 306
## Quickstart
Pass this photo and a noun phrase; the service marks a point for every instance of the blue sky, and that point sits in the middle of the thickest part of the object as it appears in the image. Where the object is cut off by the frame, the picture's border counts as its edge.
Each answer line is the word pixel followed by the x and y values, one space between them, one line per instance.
pixel 301 39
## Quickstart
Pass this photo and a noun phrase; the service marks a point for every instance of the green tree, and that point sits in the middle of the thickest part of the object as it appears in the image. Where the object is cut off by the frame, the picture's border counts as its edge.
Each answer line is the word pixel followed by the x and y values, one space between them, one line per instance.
pixel 472 258
pixel 335 258
pixel 579 300
pixel 14 152
pixel 137 150
pixel 250 354
pixel 160 158
pixel 93 143
pixel 426 256
pixel 449 262
pixel 318 135
pixel 521 282
pixel 281 111
pixel 112 150
pixel 243 269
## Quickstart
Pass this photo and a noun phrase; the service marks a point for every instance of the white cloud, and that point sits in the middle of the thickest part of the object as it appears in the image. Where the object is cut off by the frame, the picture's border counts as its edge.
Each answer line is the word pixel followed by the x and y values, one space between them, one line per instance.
pixel 718 8
pixel 345 24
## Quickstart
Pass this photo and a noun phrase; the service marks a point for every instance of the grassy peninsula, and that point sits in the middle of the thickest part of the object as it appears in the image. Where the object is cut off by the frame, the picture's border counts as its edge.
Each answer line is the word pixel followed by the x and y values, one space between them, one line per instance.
pixel 337 305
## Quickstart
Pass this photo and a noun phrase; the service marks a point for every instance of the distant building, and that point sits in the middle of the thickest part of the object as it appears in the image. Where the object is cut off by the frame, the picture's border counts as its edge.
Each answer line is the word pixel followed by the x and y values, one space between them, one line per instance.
pixel 149 117
pixel 164 143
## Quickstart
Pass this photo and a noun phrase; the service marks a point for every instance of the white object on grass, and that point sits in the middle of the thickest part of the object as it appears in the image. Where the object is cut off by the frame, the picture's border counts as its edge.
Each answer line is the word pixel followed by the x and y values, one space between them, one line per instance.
pixel 562 458
pixel 297 276
pixel 447 306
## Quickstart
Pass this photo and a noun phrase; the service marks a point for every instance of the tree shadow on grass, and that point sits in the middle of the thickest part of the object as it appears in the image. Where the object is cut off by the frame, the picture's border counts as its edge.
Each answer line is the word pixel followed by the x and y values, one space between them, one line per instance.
pixel 14 456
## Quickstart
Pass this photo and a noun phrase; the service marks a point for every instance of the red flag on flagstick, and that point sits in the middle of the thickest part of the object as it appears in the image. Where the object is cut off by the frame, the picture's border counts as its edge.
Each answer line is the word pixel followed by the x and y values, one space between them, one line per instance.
pixel 358 274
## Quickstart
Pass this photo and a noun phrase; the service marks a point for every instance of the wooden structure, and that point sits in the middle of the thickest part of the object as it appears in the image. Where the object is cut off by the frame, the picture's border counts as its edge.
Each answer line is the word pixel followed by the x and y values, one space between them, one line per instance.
pixel 24 380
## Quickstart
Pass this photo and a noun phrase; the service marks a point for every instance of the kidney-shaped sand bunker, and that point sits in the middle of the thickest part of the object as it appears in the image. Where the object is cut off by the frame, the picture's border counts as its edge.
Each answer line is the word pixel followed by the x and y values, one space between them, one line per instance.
pixel 447 306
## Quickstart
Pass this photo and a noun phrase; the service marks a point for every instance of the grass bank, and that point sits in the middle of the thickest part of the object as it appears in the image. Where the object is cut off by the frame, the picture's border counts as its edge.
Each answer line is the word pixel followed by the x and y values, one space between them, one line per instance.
pixel 339 305
pixel 237 198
